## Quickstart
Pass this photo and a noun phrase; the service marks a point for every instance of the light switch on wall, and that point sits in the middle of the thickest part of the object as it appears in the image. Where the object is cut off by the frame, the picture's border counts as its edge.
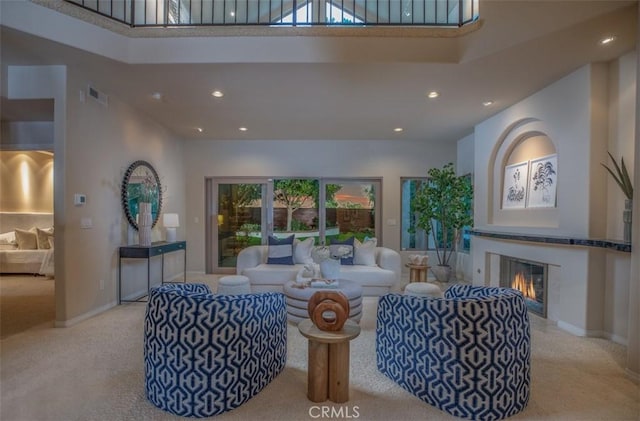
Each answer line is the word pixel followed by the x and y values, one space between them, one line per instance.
pixel 391 221
pixel 86 223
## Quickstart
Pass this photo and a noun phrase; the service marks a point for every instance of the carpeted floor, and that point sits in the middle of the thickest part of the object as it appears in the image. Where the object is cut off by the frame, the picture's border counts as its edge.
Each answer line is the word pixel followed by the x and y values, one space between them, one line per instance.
pixel 93 371
pixel 26 301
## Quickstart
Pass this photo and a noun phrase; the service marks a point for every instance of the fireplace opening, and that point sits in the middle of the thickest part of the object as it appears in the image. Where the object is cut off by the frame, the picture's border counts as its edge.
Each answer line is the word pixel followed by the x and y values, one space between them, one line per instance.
pixel 528 277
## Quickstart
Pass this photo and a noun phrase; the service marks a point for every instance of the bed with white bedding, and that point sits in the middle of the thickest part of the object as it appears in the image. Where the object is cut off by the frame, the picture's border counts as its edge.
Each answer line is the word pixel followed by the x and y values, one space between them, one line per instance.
pixel 18 254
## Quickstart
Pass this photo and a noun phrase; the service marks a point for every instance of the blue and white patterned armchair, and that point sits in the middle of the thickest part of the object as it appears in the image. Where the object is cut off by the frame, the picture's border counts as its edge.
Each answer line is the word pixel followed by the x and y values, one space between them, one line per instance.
pixel 467 354
pixel 206 354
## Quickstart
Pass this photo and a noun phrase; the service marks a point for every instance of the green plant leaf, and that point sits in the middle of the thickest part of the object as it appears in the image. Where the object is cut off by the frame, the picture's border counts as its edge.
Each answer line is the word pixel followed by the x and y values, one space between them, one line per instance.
pixel 621 176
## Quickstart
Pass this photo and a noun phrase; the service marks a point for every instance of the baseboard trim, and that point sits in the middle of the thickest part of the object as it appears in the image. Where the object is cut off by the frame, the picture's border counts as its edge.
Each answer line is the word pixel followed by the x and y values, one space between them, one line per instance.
pixel 85 316
pixel 577 331
pixel 574 330
pixel 635 377
pixel 615 338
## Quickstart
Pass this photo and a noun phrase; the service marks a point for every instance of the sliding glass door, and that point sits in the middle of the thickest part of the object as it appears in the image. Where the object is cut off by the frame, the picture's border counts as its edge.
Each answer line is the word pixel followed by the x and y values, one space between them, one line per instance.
pixel 295 207
pixel 242 212
pixel 351 209
pixel 236 220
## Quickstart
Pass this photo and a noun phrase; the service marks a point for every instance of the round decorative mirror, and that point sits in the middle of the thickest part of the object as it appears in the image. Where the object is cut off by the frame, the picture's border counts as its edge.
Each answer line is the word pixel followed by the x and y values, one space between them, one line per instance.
pixel 141 184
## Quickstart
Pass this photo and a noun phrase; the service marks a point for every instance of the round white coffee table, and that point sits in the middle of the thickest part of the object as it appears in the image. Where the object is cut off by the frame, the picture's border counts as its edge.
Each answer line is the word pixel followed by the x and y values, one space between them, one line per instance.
pixel 298 299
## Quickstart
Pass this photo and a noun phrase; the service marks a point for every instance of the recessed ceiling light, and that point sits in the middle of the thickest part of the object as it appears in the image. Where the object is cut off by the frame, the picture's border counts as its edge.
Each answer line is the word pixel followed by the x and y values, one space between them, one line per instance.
pixel 607 40
pixel 487 103
pixel 217 94
pixel 242 129
pixel 433 94
pixel 199 129
pixel 157 96
pixel 398 129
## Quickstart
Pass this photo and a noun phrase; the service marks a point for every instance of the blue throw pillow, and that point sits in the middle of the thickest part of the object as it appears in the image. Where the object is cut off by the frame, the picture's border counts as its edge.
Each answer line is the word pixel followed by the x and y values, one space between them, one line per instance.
pixel 280 251
pixel 335 246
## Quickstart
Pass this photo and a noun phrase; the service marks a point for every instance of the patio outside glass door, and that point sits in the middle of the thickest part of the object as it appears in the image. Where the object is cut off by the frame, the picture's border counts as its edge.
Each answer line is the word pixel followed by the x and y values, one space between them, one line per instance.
pixel 238 220
pixel 352 209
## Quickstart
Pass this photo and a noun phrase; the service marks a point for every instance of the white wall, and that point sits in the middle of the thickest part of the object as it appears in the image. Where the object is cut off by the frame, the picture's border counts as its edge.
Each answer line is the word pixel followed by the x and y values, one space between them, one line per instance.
pixel 388 160
pixel 622 112
pixel 465 164
pixel 561 111
pixel 93 147
pixel 119 135
pixel 583 114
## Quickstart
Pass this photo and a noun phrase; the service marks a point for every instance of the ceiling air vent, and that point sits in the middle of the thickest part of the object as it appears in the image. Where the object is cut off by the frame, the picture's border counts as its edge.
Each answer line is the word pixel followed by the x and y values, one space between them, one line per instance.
pixel 101 97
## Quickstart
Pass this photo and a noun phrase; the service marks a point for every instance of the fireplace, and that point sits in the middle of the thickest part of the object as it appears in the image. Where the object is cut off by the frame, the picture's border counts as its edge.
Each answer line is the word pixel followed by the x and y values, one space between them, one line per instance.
pixel 528 277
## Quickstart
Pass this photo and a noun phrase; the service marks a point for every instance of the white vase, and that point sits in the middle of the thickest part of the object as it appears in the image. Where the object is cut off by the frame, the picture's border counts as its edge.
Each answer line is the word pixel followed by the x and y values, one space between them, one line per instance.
pixel 330 269
pixel 443 273
pixel 145 220
pixel 627 219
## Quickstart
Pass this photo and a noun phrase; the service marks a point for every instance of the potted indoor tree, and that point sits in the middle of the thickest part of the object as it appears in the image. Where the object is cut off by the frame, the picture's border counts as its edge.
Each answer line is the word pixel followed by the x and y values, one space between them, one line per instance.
pixel 443 207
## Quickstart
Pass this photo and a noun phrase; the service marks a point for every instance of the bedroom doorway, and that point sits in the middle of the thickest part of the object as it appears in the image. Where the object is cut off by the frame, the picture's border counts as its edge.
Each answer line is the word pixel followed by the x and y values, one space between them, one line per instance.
pixel 27 274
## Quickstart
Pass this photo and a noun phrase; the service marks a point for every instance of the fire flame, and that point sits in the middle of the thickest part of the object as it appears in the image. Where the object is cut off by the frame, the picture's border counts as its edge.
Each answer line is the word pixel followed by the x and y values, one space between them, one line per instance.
pixel 524 286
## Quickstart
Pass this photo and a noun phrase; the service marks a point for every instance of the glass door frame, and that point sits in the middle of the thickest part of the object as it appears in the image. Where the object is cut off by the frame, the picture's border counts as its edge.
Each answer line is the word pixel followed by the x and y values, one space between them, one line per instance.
pixel 211 216
pixel 375 181
pixel 211 210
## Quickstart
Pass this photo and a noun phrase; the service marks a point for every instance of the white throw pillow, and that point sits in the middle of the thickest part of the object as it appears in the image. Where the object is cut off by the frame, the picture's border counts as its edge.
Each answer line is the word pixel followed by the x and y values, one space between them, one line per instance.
pixel 365 252
pixel 302 251
pixel 8 238
pixel 27 240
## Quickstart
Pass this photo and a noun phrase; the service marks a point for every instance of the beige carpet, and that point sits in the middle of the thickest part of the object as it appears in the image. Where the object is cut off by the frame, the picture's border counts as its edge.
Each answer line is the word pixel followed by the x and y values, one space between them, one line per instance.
pixel 93 371
pixel 26 301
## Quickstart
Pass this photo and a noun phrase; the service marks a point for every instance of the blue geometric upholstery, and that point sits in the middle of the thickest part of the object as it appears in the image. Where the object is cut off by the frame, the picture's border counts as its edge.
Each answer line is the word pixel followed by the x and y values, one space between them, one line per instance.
pixel 206 354
pixel 468 354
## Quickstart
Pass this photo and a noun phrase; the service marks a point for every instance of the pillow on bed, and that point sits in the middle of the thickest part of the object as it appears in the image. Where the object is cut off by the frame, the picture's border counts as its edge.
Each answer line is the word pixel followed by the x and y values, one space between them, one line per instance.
pixel 27 240
pixel 43 238
pixel 8 238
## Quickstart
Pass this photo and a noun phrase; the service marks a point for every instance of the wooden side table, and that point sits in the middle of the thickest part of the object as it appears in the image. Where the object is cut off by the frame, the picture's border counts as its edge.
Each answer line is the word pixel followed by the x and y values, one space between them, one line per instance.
pixel 417 273
pixel 328 363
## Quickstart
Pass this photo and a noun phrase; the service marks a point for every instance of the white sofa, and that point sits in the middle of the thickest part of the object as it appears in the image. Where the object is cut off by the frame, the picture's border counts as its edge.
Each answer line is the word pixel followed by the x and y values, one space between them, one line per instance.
pixel 375 280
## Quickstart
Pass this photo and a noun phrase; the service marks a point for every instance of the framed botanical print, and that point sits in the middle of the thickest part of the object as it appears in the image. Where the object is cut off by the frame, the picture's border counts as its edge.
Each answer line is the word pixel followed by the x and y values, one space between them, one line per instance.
pixel 543 179
pixel 514 193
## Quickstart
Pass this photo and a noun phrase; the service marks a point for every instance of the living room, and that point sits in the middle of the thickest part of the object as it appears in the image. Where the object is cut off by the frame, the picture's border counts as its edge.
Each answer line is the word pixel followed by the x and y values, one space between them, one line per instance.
pixel 94 145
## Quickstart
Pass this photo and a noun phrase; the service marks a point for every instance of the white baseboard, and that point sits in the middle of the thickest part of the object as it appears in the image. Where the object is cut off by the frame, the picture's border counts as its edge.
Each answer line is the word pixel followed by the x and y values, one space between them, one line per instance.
pixel 577 331
pixel 574 330
pixel 85 316
pixel 635 377
pixel 615 338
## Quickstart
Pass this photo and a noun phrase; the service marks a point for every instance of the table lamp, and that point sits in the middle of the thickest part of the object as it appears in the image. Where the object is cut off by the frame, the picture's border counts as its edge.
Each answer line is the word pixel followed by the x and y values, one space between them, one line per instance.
pixel 171 222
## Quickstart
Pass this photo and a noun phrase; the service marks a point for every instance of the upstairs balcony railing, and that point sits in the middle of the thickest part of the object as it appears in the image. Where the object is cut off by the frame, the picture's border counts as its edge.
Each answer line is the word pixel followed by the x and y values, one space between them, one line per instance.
pixel 181 13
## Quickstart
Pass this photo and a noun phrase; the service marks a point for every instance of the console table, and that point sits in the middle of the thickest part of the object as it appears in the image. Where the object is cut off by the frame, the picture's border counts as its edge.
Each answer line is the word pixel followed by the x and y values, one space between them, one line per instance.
pixel 159 248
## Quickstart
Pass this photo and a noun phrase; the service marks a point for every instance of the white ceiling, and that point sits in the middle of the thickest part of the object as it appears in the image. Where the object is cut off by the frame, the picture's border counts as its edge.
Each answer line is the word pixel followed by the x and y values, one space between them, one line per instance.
pixel 336 84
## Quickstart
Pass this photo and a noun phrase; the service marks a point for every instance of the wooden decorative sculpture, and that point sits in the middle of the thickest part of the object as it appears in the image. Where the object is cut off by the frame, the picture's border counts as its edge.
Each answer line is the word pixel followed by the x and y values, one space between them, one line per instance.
pixel 328 310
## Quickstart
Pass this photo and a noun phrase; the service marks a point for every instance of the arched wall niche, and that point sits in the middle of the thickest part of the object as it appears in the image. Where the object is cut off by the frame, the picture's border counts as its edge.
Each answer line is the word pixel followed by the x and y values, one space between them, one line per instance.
pixel 521 141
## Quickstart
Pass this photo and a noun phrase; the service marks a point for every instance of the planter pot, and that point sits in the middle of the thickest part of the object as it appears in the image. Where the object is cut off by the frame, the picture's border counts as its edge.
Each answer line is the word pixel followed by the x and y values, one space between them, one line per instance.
pixel 145 220
pixel 330 269
pixel 626 219
pixel 443 273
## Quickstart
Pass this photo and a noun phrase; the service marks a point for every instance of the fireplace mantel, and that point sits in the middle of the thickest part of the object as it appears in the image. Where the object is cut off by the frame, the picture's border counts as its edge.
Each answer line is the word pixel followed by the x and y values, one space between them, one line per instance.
pixel 616 245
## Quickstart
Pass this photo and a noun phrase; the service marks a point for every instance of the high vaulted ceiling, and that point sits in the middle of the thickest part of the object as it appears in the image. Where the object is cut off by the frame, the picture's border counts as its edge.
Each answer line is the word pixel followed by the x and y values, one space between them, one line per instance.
pixel 326 83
